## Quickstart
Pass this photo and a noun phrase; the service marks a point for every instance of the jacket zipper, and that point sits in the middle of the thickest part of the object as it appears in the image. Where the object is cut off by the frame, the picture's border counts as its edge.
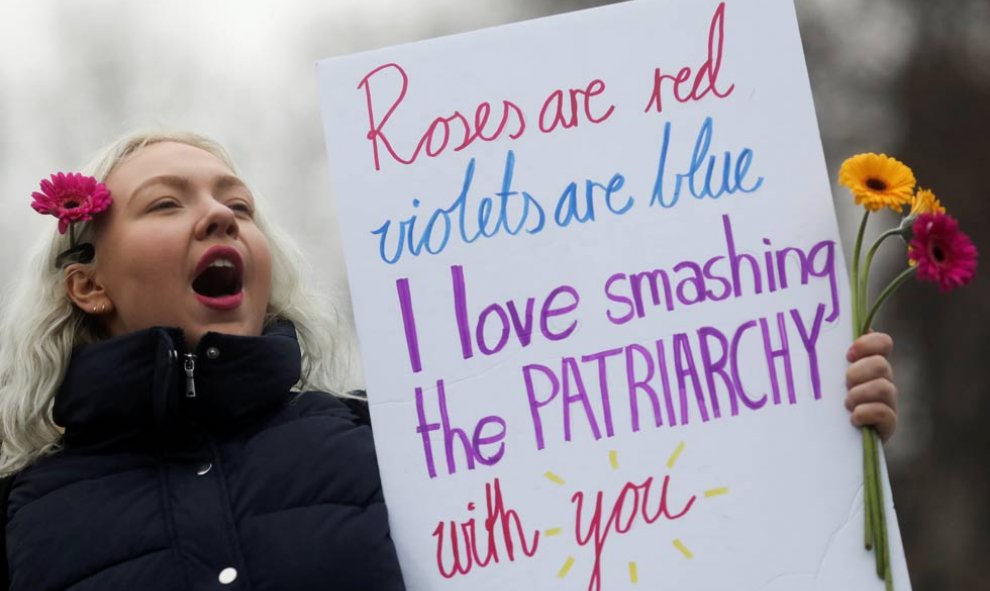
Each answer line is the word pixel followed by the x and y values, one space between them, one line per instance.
pixel 190 366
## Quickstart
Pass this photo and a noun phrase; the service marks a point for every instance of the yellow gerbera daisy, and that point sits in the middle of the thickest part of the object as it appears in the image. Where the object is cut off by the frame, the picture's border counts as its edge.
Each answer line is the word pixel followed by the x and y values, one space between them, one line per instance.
pixel 925 202
pixel 878 181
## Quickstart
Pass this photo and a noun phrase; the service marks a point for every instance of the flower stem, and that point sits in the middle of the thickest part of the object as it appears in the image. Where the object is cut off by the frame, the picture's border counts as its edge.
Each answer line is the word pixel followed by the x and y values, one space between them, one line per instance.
pixel 867 499
pixel 874 514
pixel 872 492
pixel 857 304
pixel 864 278
pixel 883 553
pixel 886 293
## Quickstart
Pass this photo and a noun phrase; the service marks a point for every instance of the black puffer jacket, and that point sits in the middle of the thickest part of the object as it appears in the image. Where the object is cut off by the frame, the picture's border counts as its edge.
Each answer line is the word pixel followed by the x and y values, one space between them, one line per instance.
pixel 244 485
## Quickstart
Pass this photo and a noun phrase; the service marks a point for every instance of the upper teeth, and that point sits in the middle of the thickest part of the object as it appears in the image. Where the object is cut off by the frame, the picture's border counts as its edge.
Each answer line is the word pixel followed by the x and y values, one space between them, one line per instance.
pixel 221 263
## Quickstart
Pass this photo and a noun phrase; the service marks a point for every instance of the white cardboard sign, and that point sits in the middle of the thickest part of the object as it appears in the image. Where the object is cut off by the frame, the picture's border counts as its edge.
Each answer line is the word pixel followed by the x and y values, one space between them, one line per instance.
pixel 602 303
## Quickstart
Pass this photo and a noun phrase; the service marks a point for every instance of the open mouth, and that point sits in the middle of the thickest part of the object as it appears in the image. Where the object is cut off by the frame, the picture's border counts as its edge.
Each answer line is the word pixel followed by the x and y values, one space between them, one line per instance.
pixel 219 276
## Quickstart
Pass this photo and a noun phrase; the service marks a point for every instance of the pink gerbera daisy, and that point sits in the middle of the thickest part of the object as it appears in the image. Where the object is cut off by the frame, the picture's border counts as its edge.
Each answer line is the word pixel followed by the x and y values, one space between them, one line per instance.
pixel 71 197
pixel 941 251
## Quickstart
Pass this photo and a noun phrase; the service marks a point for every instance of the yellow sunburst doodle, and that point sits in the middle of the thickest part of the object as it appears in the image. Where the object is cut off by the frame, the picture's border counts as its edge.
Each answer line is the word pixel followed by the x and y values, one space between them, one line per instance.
pixel 878 181
pixel 675 455
pixel 683 549
pixel 613 458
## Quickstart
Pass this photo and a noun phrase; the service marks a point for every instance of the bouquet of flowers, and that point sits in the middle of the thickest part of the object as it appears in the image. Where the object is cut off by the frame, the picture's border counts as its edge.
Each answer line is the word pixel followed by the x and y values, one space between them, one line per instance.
pixel 937 251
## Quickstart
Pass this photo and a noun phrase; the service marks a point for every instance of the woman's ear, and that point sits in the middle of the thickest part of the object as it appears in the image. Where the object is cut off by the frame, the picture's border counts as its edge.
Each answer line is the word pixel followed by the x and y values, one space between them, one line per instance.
pixel 85 291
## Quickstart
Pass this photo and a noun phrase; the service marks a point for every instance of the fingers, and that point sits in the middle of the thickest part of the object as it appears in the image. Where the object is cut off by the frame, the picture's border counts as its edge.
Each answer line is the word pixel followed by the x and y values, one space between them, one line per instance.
pixel 872 396
pixel 867 369
pixel 874 343
pixel 880 390
pixel 877 415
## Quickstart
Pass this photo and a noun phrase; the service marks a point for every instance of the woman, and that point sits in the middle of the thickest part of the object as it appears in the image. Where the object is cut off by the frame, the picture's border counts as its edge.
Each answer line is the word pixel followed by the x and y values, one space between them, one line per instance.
pixel 186 363
pixel 188 460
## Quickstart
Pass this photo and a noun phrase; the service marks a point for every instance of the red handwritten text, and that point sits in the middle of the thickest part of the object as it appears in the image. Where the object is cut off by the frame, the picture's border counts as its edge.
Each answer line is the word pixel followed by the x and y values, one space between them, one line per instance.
pixel 487 122
pixel 705 79
pixel 501 524
pixel 442 130
pixel 633 501
pixel 566 115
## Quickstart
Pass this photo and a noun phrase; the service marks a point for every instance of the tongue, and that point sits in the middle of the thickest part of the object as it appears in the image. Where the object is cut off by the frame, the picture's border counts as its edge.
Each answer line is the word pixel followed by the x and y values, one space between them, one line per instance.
pixel 216 281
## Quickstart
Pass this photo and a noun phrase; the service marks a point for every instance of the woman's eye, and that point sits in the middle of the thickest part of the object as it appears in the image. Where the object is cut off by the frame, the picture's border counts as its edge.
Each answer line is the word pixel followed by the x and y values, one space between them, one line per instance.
pixel 241 207
pixel 163 204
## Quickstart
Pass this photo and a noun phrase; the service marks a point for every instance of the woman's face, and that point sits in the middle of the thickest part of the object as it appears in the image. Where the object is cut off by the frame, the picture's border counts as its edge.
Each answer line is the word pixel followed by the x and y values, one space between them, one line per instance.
pixel 179 246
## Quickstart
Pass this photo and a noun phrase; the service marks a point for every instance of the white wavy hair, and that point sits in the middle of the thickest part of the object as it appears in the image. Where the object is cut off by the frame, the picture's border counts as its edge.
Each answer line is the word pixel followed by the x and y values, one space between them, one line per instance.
pixel 39 325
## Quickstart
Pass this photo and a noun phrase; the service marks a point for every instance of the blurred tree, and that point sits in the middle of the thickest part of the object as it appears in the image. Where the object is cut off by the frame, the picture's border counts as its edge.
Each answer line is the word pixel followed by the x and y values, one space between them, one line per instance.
pixel 944 96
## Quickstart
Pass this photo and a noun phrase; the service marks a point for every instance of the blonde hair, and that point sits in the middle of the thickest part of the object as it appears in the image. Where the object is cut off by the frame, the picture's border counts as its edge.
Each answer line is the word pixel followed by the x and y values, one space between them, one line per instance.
pixel 39 325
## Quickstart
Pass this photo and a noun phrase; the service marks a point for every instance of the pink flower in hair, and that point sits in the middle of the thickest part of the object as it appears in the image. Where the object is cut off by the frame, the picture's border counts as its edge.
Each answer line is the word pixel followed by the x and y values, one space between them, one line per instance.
pixel 941 251
pixel 71 197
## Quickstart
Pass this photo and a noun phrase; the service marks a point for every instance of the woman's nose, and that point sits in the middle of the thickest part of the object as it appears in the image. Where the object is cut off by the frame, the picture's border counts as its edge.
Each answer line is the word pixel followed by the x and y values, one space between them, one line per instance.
pixel 218 220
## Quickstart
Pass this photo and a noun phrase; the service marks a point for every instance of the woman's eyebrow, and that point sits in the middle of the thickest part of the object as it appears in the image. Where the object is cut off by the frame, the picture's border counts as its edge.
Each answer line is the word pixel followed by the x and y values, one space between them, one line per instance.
pixel 177 182
pixel 228 181
pixel 182 184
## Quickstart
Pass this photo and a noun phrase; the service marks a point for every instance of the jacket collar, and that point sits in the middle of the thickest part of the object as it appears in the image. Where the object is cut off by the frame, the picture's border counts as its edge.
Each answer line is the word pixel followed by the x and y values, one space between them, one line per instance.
pixel 138 381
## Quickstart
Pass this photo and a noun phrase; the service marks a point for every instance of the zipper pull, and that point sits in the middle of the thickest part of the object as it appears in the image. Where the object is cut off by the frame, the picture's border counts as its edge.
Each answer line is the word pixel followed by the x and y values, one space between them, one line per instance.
pixel 190 366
